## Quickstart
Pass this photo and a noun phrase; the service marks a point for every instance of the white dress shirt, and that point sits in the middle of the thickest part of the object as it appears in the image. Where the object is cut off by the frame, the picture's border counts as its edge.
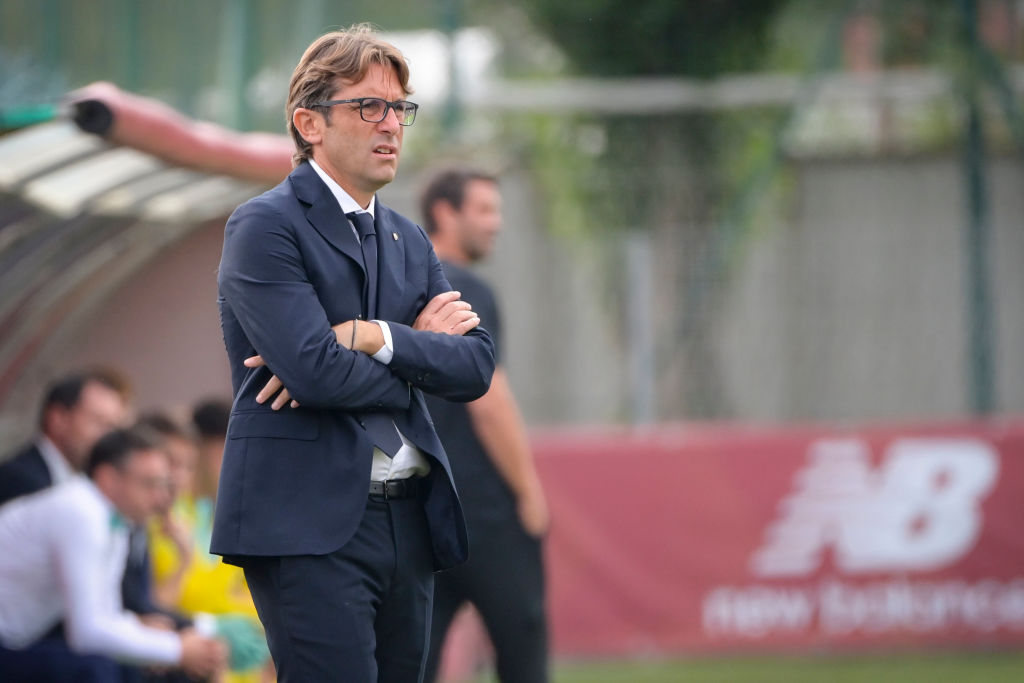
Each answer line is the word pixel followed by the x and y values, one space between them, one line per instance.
pixel 408 461
pixel 60 468
pixel 62 556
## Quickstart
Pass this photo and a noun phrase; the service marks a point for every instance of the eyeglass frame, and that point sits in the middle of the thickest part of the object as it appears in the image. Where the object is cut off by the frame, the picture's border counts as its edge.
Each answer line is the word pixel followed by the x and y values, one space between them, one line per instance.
pixel 387 105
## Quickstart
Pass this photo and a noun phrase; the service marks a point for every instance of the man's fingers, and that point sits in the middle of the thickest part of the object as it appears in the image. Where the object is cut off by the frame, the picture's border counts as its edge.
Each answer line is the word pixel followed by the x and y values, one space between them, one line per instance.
pixel 453 307
pixel 269 389
pixel 459 316
pixel 465 326
pixel 450 314
pixel 444 312
pixel 432 316
pixel 438 302
pixel 281 400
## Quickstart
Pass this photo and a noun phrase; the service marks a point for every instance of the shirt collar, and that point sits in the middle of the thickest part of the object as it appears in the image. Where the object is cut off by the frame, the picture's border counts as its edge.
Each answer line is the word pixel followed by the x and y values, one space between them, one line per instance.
pixel 348 205
pixel 60 468
pixel 117 521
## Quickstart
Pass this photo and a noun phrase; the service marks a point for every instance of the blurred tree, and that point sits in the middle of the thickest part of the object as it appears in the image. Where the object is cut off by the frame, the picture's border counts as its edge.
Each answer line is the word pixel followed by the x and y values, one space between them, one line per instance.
pixel 657 37
pixel 660 178
pixel 216 59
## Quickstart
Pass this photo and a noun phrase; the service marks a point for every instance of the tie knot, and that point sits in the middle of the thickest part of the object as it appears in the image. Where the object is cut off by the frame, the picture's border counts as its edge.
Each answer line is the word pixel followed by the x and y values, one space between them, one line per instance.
pixel 363 222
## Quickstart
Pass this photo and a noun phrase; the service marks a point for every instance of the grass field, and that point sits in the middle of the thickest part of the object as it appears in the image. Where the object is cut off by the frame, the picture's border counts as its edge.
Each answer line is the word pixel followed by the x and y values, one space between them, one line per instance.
pixel 978 667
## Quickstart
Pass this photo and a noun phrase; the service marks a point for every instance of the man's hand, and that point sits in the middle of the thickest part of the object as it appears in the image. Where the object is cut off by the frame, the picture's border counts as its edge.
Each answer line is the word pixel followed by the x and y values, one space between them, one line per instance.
pixel 448 314
pixel 533 511
pixel 201 656
pixel 157 620
pixel 358 335
pixel 179 534
pixel 271 388
pixel 445 313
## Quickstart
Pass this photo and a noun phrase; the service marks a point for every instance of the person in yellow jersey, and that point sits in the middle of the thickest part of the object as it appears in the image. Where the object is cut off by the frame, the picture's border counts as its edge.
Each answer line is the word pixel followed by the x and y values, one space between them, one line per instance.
pixel 186 576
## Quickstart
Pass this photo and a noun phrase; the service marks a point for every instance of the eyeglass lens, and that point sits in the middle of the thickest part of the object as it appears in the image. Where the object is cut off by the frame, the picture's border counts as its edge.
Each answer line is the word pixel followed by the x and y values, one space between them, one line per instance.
pixel 374 109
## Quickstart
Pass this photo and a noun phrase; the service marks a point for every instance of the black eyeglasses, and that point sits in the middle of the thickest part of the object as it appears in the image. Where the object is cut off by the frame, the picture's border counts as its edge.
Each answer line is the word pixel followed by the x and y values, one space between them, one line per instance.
pixel 374 109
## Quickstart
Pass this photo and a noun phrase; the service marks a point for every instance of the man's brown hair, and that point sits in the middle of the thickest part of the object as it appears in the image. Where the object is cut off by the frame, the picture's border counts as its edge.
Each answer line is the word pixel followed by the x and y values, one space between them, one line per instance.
pixel 66 391
pixel 345 55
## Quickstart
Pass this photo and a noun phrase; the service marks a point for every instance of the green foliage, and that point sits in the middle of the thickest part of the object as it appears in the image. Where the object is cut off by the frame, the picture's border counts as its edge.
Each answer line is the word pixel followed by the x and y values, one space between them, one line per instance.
pixel 916 32
pixel 191 54
pixel 657 37
pixel 566 176
pixel 650 170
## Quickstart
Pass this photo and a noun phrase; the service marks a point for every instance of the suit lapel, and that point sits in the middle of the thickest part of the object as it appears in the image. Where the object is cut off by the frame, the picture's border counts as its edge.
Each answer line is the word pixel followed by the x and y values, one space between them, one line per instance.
pixel 390 259
pixel 324 214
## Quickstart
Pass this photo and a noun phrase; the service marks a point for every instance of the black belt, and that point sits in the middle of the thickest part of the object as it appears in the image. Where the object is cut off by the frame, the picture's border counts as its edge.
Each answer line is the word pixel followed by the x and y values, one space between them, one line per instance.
pixel 395 488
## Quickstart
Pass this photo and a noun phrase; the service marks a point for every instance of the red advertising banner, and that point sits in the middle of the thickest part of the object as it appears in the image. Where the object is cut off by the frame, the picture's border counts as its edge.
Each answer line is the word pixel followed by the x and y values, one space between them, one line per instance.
pixel 701 539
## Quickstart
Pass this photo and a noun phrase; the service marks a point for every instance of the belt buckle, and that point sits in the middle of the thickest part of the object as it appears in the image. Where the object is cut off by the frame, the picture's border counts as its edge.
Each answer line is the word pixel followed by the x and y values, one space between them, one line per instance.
pixel 387 488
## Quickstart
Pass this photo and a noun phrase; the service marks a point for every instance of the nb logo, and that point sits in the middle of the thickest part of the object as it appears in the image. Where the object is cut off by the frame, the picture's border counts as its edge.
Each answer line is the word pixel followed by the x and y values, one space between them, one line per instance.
pixel 918 511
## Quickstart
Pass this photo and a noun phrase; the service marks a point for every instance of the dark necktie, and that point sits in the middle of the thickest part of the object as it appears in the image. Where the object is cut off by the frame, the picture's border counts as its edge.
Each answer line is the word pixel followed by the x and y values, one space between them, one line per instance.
pixel 380 426
pixel 368 242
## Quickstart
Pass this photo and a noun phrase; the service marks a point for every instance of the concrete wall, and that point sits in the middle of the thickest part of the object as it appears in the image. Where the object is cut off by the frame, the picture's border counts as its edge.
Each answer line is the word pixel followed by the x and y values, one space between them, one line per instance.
pixel 850 306
pixel 856 306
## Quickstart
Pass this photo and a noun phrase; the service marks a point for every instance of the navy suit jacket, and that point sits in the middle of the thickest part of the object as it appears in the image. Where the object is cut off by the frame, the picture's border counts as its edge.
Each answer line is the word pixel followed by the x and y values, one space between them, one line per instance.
pixel 24 473
pixel 294 482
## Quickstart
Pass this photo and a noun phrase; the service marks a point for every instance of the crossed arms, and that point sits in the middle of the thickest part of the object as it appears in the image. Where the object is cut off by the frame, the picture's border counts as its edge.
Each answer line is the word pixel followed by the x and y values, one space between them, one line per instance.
pixel 446 313
pixel 271 308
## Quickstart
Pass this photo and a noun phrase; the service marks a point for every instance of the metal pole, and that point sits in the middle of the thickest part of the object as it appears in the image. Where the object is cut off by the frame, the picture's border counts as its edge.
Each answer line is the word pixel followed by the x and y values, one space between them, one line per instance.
pixel 128 26
pixel 978 233
pixel 640 313
pixel 450 115
pixel 240 35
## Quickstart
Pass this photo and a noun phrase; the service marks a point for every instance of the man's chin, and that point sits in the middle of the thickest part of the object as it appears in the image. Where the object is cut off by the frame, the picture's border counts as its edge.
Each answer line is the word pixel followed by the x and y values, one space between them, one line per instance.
pixel 381 179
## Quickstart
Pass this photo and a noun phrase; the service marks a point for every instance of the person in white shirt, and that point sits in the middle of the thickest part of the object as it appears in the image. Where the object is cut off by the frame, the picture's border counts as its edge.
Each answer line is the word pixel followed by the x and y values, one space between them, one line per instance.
pixel 62 556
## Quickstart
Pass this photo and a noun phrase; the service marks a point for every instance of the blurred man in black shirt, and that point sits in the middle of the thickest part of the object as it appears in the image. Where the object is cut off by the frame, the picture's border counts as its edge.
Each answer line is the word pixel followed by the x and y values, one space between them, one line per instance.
pixel 506 512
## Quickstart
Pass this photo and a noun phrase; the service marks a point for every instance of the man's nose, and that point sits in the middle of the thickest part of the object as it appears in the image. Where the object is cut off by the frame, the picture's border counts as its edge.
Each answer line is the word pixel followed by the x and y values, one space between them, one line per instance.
pixel 390 120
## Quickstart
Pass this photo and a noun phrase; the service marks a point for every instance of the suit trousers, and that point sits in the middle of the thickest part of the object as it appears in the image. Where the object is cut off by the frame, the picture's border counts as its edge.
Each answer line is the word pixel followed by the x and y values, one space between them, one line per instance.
pixel 360 614
pixel 504 579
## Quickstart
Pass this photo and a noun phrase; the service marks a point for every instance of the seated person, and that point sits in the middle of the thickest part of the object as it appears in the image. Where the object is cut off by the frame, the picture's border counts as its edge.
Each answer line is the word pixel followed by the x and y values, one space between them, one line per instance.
pixel 186 576
pixel 62 556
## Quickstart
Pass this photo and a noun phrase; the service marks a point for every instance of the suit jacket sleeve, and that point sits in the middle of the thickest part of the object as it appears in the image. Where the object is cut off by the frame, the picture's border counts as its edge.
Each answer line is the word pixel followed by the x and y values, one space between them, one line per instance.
pixel 263 280
pixel 457 368
pixel 23 474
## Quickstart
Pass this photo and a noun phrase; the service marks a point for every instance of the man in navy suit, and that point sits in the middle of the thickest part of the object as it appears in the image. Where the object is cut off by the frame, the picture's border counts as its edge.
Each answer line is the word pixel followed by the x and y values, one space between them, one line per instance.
pixel 77 410
pixel 335 495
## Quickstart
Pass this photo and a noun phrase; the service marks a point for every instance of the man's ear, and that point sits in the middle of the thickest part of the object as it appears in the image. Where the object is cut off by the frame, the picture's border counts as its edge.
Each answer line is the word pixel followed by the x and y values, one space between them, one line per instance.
pixel 55 420
pixel 309 124
pixel 105 476
pixel 444 214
